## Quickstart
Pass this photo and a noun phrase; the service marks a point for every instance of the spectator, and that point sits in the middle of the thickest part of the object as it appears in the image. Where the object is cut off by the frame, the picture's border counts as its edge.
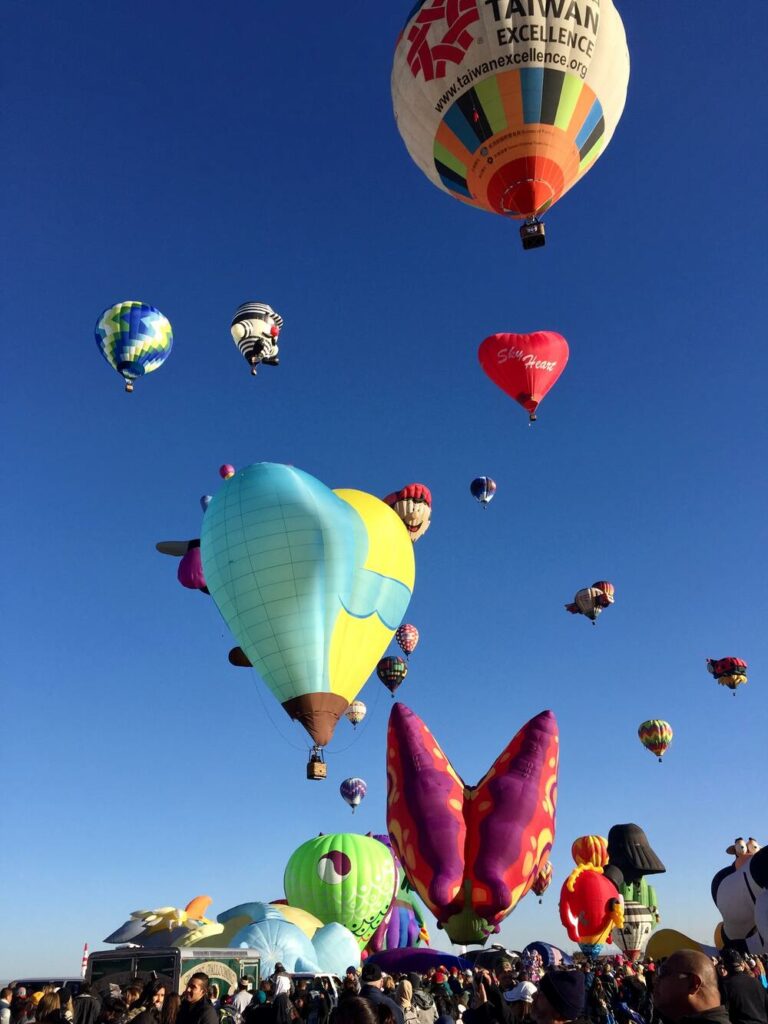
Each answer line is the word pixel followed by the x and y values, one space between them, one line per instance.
pixel 49 1009
pixel 171 1005
pixel 403 997
pixel 686 990
pixel 744 996
pixel 372 985
pixel 242 997
pixel 6 995
pixel 152 999
pixel 86 1006
pixel 195 1006
pixel 281 983
pixel 422 1002
pixel 559 998
pixel 355 1010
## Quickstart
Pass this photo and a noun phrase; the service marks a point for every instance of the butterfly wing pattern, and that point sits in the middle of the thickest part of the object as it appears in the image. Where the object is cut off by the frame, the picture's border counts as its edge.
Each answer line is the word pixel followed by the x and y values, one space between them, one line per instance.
pixel 471 852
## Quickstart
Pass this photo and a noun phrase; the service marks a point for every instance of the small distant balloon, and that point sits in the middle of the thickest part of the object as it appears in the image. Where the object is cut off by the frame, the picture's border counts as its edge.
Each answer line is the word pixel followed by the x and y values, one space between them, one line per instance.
pixel 205 501
pixel 226 471
pixel 656 736
pixel 592 600
pixel 356 712
pixel 730 672
pixel 134 338
pixel 482 489
pixel 353 791
pixel 255 329
pixel 392 671
pixel 407 637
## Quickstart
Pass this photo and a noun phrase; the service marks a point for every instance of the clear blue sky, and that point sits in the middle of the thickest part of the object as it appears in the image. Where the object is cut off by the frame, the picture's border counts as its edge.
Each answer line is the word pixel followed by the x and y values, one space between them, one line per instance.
pixel 200 156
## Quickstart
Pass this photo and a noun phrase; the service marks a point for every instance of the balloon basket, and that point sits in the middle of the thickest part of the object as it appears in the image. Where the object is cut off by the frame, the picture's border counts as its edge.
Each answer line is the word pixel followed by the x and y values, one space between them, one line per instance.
pixel 317 769
pixel 532 234
pixel 128 387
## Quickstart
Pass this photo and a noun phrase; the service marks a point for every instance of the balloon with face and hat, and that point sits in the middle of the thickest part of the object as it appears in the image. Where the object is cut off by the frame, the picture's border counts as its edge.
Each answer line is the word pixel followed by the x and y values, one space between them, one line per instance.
pixel 255 330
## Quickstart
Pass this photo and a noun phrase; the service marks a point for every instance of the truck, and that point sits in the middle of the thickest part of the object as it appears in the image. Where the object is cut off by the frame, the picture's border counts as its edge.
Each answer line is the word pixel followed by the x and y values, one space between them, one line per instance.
pixel 174 966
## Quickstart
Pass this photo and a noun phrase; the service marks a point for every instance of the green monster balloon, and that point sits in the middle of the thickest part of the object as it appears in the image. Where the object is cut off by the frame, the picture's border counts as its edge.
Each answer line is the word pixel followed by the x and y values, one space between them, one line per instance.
pixel 344 877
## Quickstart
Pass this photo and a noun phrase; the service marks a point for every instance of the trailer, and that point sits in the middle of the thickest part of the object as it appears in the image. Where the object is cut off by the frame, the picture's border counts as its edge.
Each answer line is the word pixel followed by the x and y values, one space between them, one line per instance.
pixel 119 967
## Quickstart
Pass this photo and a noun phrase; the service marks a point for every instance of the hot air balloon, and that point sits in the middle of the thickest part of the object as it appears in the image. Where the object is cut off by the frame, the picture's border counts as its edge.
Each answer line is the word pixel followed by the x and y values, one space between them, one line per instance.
pixel 655 735
pixel 483 489
pixel 471 852
pixel 590 904
pixel 255 329
pixel 730 672
pixel 353 791
pixel 413 504
pixel 524 366
pixel 344 877
pixel 392 671
pixel 407 637
pixel 356 712
pixel 134 338
pixel 608 591
pixel 507 104
pixel 312 582
pixel 542 880
pixel 633 935
pixel 587 602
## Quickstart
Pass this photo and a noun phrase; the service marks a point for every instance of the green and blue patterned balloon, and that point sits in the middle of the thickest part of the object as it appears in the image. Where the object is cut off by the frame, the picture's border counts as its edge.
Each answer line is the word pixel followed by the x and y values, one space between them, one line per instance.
pixel 134 338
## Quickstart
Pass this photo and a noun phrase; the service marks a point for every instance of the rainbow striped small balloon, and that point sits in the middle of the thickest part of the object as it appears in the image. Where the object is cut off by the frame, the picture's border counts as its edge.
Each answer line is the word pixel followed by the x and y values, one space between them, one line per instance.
pixel 134 338
pixel 656 736
pixel 392 671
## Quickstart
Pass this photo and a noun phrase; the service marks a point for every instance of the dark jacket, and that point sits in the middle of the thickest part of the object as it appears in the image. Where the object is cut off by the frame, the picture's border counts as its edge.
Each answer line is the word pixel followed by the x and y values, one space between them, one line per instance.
pixel 719 1015
pixel 745 999
pixel 495 1011
pixel 376 996
pixel 200 1012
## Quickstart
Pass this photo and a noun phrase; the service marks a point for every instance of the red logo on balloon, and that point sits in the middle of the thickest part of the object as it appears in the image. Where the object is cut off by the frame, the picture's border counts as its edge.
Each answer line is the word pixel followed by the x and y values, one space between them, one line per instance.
pixel 525 366
pixel 453 18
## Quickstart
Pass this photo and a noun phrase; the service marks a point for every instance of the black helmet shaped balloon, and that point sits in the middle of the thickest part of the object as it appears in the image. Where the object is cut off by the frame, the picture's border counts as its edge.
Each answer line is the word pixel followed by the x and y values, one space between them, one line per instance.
pixel 630 853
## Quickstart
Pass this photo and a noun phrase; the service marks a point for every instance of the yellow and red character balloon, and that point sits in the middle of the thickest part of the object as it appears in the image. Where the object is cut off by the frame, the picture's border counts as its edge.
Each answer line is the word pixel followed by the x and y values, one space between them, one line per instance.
pixel 656 736
pixel 524 366
pixel 506 104
pixel 312 582
pixel 413 503
pixel 471 852
pixel 590 904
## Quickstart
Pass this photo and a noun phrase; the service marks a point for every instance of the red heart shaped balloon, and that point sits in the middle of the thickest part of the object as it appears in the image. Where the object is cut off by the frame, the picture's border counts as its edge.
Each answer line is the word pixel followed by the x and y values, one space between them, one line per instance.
pixel 524 365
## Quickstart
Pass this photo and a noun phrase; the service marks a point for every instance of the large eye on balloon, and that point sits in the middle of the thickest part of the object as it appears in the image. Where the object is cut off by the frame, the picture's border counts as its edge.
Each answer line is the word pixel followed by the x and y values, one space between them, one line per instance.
pixel 740 846
pixel 752 845
pixel 334 867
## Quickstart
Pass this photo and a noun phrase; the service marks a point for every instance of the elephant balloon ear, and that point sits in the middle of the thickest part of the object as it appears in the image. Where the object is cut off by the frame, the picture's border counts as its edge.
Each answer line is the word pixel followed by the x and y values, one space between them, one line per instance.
pixel 238 657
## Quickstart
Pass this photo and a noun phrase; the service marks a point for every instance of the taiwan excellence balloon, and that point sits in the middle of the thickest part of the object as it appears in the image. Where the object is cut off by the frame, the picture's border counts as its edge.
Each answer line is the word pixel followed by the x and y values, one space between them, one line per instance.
pixel 392 671
pixel 656 736
pixel 353 791
pixel 356 712
pixel 344 877
pixel 134 338
pixel 312 583
pixel 483 489
pixel 524 366
pixel 407 637
pixel 255 329
pixel 730 672
pixel 471 852
pixel 506 104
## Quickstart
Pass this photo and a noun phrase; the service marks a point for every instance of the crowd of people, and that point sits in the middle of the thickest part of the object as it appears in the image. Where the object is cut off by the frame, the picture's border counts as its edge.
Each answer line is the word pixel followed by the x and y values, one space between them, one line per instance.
pixel 686 988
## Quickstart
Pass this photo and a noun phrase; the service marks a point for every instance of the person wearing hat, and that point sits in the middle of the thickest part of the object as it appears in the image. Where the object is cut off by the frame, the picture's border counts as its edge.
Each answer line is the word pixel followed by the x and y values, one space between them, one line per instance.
pixel 520 998
pixel 745 998
pixel 372 979
pixel 559 998
pixel 422 1001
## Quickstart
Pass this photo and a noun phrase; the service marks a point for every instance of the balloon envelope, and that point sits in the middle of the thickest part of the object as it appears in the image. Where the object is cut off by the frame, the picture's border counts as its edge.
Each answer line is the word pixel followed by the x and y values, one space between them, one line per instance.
pixel 524 366
pixel 407 637
pixel 483 489
pixel 346 878
pixel 134 338
pixel 505 105
pixel 353 791
pixel 656 736
pixel 312 582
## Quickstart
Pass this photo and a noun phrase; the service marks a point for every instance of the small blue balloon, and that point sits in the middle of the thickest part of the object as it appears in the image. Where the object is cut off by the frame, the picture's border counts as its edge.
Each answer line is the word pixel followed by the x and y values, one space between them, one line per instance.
pixel 205 501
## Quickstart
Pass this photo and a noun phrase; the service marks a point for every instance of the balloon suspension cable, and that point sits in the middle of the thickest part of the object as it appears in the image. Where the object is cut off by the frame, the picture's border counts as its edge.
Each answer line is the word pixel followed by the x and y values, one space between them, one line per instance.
pixel 276 727
pixel 363 726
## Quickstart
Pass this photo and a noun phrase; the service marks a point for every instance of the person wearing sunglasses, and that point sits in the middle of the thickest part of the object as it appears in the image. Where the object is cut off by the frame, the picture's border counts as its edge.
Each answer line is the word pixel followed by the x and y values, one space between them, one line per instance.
pixel 686 990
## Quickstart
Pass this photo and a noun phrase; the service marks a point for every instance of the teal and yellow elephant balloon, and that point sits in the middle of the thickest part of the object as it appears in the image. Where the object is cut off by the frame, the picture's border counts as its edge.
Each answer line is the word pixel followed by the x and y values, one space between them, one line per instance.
pixel 312 582
pixel 134 338
pixel 346 878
